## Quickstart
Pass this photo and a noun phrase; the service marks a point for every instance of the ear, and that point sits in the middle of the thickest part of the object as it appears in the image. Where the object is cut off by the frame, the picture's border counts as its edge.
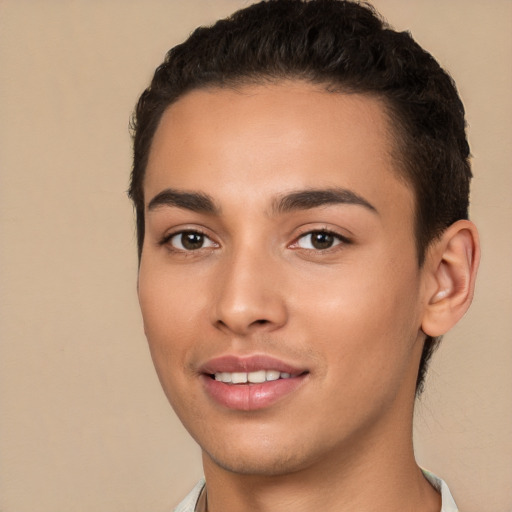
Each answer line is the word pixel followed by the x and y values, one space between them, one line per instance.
pixel 451 265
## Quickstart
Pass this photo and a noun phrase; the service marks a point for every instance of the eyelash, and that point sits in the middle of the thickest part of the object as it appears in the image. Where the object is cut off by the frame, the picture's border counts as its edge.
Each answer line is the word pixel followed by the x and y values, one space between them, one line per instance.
pixel 341 240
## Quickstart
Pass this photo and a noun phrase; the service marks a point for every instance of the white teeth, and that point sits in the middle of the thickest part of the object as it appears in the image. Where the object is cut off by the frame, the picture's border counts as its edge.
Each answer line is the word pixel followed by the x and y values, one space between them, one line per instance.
pixel 238 377
pixel 256 377
pixel 272 375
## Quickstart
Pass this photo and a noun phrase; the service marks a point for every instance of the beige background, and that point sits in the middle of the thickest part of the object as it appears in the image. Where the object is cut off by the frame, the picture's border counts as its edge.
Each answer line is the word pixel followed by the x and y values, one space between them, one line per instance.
pixel 84 425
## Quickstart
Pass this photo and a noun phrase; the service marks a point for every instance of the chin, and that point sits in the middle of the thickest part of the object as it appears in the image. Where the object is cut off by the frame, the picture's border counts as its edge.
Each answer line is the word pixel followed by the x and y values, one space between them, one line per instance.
pixel 257 456
pixel 260 464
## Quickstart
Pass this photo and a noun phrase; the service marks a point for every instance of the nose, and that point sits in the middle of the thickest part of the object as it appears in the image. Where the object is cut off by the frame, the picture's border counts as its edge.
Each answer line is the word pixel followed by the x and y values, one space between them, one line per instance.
pixel 250 294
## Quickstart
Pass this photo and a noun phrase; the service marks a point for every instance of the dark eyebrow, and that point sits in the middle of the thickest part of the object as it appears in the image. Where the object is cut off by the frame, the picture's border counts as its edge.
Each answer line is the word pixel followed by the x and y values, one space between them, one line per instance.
pixel 195 201
pixel 313 198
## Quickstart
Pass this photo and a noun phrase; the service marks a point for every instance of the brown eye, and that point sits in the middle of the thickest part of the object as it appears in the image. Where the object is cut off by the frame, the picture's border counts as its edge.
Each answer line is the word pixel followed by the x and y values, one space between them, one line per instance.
pixel 322 240
pixel 319 240
pixel 190 241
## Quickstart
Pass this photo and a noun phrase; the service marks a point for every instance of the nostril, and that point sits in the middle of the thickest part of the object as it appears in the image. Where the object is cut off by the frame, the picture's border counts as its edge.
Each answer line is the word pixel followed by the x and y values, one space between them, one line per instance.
pixel 261 322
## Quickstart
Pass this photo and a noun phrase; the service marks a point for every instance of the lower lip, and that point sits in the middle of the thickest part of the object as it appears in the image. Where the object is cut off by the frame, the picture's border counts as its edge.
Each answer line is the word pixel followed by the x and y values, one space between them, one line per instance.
pixel 251 397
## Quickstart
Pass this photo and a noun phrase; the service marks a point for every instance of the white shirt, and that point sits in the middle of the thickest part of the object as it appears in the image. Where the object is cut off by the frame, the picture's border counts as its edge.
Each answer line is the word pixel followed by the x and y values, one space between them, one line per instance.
pixel 447 502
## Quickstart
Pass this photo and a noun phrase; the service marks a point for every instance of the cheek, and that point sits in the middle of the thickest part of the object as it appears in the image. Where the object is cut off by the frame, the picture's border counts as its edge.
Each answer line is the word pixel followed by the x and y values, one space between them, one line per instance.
pixel 166 332
pixel 357 293
pixel 166 313
pixel 169 309
pixel 362 316
pixel 168 298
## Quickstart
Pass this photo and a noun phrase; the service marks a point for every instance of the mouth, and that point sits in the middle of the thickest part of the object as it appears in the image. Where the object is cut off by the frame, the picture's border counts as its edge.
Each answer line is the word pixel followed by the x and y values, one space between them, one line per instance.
pixel 250 383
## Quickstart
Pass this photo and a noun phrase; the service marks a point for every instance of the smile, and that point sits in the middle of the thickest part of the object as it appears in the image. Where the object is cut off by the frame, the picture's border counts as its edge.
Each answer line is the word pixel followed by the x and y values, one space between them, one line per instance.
pixel 256 377
pixel 250 383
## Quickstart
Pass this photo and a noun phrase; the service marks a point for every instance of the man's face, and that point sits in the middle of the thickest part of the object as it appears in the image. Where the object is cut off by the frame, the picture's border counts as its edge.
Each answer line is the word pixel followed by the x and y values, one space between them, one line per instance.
pixel 279 243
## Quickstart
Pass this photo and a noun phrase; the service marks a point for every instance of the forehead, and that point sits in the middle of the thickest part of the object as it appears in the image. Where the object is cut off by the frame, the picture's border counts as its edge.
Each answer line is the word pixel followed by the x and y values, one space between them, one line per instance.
pixel 271 138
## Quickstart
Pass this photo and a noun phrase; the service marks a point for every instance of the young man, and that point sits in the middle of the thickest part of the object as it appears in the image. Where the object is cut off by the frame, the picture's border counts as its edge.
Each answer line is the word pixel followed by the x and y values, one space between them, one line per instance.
pixel 301 184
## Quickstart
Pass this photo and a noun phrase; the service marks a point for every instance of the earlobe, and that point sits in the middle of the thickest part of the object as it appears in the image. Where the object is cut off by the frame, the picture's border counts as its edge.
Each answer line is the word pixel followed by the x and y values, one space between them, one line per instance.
pixel 451 267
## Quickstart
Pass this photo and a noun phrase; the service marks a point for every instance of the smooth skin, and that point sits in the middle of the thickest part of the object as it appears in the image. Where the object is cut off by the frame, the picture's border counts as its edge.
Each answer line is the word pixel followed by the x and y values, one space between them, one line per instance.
pixel 334 288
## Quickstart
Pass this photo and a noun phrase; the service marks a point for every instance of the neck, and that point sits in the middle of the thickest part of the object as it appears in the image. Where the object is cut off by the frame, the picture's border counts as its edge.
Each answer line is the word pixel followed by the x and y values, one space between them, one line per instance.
pixel 375 476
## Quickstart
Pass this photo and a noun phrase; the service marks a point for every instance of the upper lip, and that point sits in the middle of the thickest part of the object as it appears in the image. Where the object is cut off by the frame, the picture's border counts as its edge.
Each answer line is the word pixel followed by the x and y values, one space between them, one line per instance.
pixel 252 363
